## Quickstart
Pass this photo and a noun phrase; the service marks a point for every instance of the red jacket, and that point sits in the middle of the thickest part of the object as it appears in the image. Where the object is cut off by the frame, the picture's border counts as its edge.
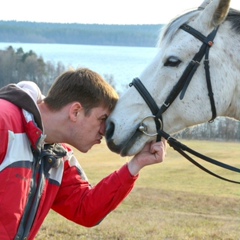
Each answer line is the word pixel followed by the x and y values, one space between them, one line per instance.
pixel 35 177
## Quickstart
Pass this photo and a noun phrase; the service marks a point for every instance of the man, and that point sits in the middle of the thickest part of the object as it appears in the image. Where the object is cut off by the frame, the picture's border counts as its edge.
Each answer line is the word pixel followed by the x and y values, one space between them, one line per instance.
pixel 39 172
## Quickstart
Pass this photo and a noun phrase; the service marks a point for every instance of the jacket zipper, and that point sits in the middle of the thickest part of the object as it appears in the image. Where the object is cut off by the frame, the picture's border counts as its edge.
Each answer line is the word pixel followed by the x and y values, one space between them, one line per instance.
pixel 33 200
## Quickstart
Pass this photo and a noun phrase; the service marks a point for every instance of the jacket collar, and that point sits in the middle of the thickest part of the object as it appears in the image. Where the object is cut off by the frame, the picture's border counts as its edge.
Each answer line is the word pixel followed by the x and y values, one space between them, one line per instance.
pixel 20 98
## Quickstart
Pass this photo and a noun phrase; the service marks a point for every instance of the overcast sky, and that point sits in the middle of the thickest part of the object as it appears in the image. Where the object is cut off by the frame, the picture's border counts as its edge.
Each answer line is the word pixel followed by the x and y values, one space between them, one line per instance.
pixel 97 11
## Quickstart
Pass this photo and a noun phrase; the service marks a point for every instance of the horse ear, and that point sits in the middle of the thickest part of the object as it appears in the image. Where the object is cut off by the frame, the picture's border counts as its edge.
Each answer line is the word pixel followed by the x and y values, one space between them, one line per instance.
pixel 218 9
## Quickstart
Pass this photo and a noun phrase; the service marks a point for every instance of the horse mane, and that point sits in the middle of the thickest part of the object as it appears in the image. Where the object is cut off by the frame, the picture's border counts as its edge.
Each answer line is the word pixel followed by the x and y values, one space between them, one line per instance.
pixel 168 31
pixel 234 18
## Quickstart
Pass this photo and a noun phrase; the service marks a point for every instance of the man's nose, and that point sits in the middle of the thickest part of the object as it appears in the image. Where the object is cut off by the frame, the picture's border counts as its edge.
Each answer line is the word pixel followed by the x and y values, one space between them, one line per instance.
pixel 102 129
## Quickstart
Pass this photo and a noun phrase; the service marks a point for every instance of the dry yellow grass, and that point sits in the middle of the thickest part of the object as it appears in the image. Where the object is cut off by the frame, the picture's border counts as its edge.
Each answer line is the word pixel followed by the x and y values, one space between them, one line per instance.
pixel 171 201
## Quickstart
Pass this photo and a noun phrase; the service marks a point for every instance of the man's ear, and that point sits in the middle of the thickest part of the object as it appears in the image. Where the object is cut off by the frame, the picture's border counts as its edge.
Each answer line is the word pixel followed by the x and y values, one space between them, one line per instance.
pixel 74 110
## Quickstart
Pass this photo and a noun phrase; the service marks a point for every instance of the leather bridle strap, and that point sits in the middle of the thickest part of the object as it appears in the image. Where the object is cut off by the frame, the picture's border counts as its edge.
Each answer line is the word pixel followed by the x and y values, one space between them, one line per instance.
pixel 209 86
pixel 188 73
pixel 178 146
pixel 208 43
pixel 145 95
pixel 150 102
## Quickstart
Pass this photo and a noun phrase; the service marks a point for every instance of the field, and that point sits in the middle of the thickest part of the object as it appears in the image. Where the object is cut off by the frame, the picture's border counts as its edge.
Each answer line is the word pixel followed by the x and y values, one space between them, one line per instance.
pixel 171 201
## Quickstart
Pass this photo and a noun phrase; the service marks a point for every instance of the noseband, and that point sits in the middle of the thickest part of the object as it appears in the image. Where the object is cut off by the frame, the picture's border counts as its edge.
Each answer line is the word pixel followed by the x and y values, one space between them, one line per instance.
pixel 180 88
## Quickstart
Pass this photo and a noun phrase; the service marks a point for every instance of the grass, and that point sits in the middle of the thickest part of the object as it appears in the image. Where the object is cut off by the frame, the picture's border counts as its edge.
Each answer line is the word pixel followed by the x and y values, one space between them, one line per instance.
pixel 171 201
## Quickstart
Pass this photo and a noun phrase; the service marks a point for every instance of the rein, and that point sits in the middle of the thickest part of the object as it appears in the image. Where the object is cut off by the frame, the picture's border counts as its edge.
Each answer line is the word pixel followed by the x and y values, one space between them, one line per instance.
pixel 180 88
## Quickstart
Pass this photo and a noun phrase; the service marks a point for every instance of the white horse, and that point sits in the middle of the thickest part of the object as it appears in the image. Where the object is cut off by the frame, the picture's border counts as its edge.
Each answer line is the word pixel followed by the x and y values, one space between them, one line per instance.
pixel 178 82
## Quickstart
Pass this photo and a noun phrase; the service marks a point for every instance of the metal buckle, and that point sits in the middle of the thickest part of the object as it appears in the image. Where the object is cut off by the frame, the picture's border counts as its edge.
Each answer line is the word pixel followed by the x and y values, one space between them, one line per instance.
pixel 143 127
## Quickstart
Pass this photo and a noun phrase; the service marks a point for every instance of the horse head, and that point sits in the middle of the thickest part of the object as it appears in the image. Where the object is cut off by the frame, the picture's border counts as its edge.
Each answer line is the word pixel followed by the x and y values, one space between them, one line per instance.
pixel 212 26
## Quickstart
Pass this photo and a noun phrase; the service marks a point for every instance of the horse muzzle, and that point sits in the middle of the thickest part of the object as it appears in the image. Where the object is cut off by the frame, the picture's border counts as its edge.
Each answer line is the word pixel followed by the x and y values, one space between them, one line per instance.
pixel 130 145
pixel 127 147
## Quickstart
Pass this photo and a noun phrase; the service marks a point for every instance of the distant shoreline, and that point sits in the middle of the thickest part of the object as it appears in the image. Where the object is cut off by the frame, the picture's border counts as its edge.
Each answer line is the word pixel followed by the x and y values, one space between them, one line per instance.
pixel 85 34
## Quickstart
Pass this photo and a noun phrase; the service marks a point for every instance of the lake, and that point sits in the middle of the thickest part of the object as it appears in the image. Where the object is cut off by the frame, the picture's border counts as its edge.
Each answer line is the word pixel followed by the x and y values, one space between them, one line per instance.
pixel 123 63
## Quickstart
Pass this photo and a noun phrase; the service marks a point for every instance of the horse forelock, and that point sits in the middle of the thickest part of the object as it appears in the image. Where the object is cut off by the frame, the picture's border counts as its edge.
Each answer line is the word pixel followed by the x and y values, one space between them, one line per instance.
pixel 171 28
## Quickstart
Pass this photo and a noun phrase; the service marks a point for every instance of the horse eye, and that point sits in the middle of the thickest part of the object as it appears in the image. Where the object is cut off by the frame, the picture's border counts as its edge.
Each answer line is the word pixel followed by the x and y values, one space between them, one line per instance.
pixel 172 62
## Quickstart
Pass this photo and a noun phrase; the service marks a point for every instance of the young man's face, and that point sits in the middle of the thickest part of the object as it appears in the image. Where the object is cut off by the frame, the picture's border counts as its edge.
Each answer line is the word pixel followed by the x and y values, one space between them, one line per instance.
pixel 90 129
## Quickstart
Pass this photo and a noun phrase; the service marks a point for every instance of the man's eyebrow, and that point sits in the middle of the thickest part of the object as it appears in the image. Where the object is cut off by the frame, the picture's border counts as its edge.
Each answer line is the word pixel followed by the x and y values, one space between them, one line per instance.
pixel 104 116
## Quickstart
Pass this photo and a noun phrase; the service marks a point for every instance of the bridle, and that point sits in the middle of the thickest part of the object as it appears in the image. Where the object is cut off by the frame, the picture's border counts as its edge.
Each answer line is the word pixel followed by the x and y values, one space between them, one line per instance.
pixel 180 88
pixel 184 80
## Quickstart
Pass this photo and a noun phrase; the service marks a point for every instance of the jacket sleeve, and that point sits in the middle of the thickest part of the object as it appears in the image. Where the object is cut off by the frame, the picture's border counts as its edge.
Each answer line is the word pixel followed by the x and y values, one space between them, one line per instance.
pixel 10 121
pixel 87 206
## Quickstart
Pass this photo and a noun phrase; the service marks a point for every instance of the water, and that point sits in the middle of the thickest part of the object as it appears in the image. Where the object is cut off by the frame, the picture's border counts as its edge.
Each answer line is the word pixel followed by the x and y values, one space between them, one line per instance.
pixel 123 63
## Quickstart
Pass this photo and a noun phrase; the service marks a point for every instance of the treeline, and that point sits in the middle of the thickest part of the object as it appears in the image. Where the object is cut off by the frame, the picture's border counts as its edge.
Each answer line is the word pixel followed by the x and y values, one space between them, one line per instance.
pixel 72 33
pixel 17 65
pixel 222 128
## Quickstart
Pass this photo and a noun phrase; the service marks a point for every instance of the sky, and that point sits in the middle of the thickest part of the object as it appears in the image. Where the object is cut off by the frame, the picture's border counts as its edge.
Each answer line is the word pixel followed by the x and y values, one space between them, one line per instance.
pixel 98 11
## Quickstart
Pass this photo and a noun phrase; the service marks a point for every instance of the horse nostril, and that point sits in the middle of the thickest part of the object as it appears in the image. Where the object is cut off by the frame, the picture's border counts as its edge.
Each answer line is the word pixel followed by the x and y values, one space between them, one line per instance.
pixel 109 130
pixel 109 138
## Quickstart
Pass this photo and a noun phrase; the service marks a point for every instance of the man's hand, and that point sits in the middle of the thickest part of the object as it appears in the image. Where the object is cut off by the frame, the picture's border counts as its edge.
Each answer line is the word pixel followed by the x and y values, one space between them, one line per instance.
pixel 152 153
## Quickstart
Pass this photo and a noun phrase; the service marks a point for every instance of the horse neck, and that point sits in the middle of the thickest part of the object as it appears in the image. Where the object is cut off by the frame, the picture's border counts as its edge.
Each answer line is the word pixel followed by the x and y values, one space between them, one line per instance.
pixel 232 53
pixel 234 109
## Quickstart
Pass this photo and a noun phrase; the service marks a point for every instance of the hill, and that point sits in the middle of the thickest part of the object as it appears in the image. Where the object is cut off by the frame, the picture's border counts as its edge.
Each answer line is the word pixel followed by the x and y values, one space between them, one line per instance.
pixel 90 34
